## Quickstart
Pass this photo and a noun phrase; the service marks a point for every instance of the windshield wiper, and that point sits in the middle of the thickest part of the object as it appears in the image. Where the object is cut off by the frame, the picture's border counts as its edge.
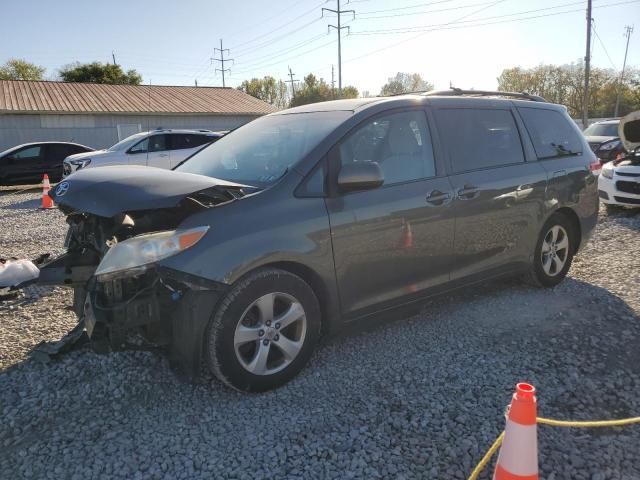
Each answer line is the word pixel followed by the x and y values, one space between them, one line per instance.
pixel 562 150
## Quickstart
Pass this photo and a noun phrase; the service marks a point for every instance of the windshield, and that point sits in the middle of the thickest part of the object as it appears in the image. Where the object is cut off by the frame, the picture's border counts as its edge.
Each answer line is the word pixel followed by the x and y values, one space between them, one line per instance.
pixel 260 152
pixel 602 130
pixel 126 143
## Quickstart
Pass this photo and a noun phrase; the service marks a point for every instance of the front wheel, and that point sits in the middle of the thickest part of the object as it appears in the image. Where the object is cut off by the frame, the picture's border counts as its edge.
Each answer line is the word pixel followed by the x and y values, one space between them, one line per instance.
pixel 554 252
pixel 264 331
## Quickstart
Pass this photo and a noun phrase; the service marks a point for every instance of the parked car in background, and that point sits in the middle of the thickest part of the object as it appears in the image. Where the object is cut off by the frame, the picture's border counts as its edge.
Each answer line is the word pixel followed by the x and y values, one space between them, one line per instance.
pixel 307 219
pixel 604 140
pixel 158 148
pixel 619 181
pixel 26 164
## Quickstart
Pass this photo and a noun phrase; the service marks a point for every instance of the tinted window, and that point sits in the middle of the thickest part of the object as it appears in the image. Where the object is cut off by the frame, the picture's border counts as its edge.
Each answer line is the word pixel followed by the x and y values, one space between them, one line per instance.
pixel 157 143
pixel 58 152
pixel 399 142
pixel 77 149
pixel 28 153
pixel 480 138
pixel 183 141
pixel 551 132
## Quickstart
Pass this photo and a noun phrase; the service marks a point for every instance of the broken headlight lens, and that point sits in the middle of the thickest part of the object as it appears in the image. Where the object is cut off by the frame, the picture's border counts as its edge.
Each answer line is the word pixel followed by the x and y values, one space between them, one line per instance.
pixel 134 255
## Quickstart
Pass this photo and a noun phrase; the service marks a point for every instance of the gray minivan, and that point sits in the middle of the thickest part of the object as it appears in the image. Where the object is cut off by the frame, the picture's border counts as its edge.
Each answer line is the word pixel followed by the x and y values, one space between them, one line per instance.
pixel 307 219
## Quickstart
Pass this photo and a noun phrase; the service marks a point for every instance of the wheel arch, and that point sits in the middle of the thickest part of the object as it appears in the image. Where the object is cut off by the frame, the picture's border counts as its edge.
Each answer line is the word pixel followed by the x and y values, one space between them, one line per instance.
pixel 574 220
pixel 329 317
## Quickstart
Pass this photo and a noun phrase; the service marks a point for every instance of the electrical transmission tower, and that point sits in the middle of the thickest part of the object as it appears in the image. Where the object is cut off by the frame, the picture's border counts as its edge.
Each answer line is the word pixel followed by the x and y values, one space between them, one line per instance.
pixel 222 61
pixel 339 29
pixel 629 31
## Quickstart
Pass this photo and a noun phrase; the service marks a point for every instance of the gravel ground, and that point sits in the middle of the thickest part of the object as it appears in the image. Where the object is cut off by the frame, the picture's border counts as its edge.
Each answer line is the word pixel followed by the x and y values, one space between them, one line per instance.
pixel 421 397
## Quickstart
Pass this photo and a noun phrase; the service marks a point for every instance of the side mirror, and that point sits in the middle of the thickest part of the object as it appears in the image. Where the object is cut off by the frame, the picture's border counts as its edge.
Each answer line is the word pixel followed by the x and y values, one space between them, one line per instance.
pixel 360 176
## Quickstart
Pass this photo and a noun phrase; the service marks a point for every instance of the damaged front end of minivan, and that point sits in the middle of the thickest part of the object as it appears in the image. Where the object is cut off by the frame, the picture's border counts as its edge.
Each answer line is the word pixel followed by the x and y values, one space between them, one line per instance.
pixel 122 222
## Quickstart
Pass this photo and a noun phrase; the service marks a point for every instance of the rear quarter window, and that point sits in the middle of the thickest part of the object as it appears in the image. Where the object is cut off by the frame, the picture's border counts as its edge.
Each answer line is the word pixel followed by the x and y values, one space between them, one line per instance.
pixel 551 132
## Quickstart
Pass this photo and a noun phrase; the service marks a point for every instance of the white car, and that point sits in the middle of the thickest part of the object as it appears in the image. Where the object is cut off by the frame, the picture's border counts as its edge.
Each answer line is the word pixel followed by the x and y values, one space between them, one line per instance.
pixel 619 181
pixel 157 148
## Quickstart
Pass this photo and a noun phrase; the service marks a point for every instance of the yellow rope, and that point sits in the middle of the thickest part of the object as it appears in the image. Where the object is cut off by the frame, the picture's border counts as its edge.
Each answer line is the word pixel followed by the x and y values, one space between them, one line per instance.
pixel 554 423
pixel 487 457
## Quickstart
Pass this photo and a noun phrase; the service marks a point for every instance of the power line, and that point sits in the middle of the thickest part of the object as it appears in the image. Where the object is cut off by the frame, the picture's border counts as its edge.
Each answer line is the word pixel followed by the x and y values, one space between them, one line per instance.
pixel 339 29
pixel 307 12
pixel 222 60
pixel 593 28
pixel 406 7
pixel 421 34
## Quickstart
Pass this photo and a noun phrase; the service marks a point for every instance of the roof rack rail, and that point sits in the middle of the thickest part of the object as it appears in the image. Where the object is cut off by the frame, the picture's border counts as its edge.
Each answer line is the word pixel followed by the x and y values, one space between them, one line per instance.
pixel 483 93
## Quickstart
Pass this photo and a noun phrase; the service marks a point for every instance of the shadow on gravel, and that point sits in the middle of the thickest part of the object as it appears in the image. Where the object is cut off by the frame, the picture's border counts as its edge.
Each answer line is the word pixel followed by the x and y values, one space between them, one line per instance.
pixel 418 398
pixel 24 205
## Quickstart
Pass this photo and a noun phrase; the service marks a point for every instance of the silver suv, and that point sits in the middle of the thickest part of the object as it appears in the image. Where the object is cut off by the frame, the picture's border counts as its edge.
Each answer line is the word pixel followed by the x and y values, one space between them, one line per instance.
pixel 162 148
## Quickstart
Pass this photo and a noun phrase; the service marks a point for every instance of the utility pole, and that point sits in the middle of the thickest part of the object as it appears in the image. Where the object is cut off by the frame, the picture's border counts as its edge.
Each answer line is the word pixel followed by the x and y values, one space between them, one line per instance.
pixel 113 55
pixel 587 69
pixel 333 84
pixel 293 87
pixel 629 30
pixel 339 29
pixel 222 60
pixel 196 82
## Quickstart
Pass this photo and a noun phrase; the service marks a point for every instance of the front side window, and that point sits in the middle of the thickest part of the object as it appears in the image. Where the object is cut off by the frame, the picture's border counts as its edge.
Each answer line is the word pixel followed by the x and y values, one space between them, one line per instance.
pixel 157 143
pixel 399 142
pixel 29 153
pixel 551 133
pixel 141 147
pixel 479 138
pixel 184 141
pixel 262 151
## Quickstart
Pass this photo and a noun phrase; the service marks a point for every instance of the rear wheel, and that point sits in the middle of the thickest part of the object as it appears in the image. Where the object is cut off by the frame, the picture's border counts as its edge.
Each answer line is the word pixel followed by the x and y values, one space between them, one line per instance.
pixel 263 332
pixel 554 252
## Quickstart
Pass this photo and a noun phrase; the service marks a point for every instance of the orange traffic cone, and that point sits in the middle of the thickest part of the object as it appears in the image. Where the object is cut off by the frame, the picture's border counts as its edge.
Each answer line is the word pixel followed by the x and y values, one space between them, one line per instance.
pixel 407 236
pixel 47 202
pixel 518 458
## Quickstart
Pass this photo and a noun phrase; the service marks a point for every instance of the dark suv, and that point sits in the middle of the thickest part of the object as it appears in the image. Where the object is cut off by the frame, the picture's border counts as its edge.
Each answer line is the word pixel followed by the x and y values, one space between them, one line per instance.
pixel 307 219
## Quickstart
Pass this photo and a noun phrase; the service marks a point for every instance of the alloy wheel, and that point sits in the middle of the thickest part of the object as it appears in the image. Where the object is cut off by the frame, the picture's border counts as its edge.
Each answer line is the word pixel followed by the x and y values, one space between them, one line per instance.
pixel 270 334
pixel 555 250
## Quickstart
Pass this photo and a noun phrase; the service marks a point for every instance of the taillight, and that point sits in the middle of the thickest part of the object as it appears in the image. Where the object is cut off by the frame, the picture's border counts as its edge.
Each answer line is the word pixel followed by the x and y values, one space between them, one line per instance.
pixel 595 167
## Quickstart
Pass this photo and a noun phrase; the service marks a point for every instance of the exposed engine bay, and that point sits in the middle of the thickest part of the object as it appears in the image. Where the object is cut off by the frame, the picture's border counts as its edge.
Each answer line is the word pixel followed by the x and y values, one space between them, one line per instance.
pixel 142 307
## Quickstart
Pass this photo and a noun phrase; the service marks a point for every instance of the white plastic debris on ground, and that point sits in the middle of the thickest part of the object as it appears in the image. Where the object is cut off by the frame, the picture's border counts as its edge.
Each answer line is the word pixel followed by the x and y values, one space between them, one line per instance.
pixel 15 272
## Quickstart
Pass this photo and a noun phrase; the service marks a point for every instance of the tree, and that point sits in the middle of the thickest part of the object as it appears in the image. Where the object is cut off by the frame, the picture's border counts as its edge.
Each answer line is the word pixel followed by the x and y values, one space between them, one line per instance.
pixel 313 90
pixel 564 84
pixel 18 69
pixel 97 72
pixel 267 89
pixel 405 82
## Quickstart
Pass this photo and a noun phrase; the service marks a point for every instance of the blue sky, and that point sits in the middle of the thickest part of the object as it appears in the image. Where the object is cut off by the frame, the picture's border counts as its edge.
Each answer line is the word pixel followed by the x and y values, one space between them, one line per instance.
pixel 467 42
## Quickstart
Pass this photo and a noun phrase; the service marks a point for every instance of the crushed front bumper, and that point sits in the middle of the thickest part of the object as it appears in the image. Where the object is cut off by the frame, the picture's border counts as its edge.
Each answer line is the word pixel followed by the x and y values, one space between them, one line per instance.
pixel 162 308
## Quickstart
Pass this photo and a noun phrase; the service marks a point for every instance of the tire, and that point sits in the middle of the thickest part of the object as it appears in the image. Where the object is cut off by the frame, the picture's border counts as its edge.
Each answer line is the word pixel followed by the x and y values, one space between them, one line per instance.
pixel 548 270
pixel 246 346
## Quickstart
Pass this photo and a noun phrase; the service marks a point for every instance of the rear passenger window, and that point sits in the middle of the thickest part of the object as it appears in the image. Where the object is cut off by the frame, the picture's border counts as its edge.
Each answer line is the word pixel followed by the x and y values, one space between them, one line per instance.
pixel 399 142
pixel 551 133
pixel 187 140
pixel 479 138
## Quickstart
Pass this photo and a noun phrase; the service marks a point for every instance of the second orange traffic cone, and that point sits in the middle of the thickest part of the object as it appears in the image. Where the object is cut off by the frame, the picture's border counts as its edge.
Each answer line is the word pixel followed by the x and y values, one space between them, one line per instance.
pixel 47 201
pixel 518 458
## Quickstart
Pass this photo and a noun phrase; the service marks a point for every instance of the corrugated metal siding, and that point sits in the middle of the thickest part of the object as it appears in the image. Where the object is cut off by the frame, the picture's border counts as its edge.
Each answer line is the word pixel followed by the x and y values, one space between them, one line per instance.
pixel 16 129
pixel 60 97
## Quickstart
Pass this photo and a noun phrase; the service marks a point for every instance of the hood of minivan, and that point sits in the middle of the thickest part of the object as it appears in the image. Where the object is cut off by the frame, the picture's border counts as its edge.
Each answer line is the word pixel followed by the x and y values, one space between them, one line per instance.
pixel 111 190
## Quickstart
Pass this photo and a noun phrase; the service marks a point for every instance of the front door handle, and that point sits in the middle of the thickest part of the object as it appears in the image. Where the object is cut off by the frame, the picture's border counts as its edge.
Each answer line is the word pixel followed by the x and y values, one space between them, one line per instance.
pixel 467 192
pixel 163 155
pixel 436 197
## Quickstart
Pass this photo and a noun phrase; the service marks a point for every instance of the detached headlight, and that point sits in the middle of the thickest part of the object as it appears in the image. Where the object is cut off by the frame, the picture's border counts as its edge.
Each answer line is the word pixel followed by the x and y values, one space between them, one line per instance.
pixel 134 255
pixel 610 145
pixel 607 171
pixel 80 163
